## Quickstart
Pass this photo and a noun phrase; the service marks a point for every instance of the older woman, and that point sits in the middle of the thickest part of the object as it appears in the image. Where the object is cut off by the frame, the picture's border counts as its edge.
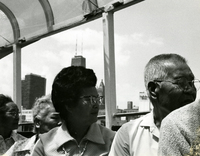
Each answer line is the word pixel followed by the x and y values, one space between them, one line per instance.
pixel 9 118
pixel 44 115
pixel 45 118
pixel 75 97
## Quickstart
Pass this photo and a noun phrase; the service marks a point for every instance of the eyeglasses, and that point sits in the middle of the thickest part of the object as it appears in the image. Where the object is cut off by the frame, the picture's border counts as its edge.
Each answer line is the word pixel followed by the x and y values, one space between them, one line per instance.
pixel 14 114
pixel 183 83
pixel 93 99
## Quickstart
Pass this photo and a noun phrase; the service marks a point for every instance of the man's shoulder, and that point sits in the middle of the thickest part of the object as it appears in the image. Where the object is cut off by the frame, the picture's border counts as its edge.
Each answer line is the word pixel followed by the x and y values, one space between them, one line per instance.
pixel 137 121
pixel 134 124
pixel 184 112
pixel 184 118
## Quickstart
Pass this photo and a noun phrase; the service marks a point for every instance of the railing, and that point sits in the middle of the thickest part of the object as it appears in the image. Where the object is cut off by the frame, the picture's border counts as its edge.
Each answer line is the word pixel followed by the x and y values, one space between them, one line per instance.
pixel 125 114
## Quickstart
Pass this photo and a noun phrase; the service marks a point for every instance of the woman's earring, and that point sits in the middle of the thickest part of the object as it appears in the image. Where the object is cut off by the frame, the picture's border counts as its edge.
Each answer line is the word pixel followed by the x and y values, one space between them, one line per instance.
pixel 37 125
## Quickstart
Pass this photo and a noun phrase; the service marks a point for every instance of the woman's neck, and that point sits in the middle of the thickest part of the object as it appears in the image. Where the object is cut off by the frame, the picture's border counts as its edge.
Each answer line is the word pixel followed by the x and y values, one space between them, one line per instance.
pixel 77 130
pixel 5 133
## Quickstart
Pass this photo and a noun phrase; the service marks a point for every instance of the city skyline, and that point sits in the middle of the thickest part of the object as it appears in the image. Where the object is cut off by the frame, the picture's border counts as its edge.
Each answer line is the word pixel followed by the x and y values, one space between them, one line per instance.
pixel 141 32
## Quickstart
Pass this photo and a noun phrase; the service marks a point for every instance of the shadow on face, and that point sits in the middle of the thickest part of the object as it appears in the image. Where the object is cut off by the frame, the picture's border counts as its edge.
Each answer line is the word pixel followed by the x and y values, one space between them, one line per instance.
pixel 10 118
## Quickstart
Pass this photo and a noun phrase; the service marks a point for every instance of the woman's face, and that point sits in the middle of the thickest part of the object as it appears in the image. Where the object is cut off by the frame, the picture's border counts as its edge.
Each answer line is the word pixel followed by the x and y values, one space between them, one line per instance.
pixel 11 117
pixel 48 119
pixel 88 106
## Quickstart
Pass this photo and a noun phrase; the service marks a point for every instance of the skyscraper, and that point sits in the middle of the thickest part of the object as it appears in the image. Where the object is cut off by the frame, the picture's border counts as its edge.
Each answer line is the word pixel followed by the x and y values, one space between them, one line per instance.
pixel 78 60
pixel 144 104
pixel 33 87
pixel 101 92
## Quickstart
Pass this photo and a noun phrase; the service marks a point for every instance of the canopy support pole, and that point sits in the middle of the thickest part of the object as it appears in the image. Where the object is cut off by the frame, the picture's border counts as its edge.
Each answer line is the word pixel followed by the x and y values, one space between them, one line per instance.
pixel 17 75
pixel 109 68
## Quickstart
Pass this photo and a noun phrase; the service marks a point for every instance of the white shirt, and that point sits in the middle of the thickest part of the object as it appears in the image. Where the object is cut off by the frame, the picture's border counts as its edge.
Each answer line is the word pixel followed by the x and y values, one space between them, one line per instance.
pixel 138 137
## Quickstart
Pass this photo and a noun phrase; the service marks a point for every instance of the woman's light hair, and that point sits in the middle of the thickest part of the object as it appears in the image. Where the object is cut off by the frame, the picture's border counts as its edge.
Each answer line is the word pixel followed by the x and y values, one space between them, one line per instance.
pixel 41 104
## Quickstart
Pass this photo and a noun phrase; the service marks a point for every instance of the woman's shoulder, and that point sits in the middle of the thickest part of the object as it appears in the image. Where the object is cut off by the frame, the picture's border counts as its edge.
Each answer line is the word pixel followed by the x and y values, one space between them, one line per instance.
pixel 49 135
pixel 106 131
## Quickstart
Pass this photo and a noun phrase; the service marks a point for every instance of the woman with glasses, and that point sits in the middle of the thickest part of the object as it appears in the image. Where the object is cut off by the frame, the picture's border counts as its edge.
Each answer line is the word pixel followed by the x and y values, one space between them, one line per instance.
pixel 45 118
pixel 9 118
pixel 75 97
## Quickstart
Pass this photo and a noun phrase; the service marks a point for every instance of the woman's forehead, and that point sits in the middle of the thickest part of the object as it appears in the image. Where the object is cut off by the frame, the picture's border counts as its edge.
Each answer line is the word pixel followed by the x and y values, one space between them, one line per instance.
pixel 89 90
pixel 11 106
pixel 46 111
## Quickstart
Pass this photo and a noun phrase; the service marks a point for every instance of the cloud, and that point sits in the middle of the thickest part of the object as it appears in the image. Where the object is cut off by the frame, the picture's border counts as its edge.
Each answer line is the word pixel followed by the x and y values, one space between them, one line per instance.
pixel 87 38
pixel 150 28
pixel 48 56
pixel 144 39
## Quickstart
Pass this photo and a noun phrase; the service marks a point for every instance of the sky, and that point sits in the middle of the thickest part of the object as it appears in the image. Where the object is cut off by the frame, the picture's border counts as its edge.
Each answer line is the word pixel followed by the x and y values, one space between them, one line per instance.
pixel 142 31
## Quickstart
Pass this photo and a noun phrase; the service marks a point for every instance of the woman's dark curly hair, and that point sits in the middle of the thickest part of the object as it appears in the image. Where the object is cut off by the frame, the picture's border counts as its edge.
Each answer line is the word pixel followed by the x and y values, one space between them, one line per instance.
pixel 4 99
pixel 67 86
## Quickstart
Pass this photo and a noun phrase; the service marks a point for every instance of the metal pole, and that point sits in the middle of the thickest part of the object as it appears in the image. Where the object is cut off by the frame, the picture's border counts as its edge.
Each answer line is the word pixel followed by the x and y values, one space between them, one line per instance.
pixel 109 68
pixel 17 75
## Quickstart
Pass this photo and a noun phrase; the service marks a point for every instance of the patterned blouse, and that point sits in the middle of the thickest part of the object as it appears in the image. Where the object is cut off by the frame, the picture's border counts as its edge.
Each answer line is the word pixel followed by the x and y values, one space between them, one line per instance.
pixel 8 142
pixel 22 148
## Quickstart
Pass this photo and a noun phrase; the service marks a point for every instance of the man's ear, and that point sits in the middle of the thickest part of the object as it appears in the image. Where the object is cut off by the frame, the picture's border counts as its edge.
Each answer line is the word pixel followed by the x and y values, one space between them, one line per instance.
pixel 152 88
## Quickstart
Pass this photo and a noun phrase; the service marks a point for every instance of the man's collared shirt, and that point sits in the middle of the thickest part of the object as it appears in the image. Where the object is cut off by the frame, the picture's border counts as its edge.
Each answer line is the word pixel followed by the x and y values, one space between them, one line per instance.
pixel 58 142
pixel 8 142
pixel 138 137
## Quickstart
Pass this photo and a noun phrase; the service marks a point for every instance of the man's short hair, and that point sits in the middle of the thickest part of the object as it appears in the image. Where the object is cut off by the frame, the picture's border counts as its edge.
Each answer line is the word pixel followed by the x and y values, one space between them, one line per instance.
pixel 156 68
pixel 68 84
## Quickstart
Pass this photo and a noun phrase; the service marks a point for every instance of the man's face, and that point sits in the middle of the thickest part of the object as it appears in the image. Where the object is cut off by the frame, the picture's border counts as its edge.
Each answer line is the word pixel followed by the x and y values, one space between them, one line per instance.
pixel 170 94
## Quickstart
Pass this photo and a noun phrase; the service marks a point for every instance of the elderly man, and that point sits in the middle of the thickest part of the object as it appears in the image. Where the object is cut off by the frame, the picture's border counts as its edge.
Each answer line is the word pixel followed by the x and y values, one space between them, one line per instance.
pixel 169 82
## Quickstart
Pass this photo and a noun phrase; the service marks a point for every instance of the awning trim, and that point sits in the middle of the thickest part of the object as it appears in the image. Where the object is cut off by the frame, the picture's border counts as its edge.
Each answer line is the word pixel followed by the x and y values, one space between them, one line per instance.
pixel 48 14
pixel 13 21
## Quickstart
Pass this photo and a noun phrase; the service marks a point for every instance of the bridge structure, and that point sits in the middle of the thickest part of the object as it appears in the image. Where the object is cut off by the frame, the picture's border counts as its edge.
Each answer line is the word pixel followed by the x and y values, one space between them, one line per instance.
pixel 24 22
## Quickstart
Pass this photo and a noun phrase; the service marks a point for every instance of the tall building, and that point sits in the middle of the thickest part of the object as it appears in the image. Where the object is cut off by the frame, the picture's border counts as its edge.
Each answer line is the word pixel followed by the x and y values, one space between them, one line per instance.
pixel 33 86
pixel 78 60
pixel 101 92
